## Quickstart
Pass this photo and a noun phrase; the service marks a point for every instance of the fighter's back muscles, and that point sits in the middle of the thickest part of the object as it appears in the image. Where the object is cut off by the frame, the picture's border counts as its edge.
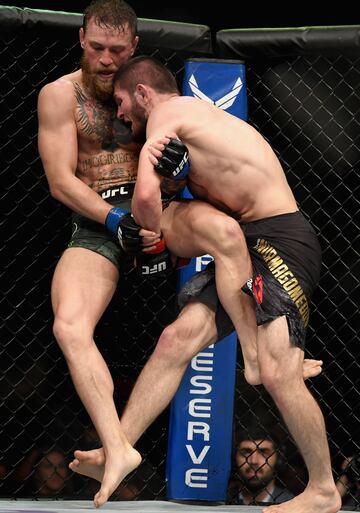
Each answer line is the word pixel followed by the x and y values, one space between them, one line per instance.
pixel 232 166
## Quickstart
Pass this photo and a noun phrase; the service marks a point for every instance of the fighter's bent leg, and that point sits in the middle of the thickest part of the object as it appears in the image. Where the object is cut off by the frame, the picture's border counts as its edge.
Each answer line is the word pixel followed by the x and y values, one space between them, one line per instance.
pixel 92 463
pixel 194 228
pixel 82 287
pixel 281 373
pixel 191 332
pixel 194 330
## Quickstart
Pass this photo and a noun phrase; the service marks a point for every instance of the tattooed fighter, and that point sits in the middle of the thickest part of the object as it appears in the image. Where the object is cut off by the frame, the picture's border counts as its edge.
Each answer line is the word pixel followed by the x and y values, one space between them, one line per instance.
pixel 90 161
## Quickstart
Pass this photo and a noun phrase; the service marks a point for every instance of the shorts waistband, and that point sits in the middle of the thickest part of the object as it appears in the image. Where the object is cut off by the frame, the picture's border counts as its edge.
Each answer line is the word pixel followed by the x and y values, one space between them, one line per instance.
pixel 288 215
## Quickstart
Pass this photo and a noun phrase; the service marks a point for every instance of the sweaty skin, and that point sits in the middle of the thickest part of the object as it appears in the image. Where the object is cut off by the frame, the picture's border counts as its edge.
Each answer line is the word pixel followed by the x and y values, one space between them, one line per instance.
pixel 106 154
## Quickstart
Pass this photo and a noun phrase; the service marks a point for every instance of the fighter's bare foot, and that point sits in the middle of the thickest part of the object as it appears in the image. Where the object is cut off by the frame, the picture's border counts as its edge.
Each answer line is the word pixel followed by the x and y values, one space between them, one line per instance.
pixel 89 463
pixel 117 466
pixel 311 368
pixel 308 502
pixel 92 464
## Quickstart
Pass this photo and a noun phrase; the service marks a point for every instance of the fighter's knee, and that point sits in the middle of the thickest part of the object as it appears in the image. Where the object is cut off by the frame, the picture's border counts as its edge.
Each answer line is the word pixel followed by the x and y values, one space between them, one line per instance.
pixel 228 237
pixel 271 378
pixel 278 378
pixel 68 334
pixel 59 330
pixel 181 341
pixel 172 345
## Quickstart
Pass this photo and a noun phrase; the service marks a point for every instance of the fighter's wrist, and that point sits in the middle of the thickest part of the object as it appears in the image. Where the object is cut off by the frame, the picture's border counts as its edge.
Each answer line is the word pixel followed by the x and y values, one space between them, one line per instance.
pixel 114 217
pixel 160 246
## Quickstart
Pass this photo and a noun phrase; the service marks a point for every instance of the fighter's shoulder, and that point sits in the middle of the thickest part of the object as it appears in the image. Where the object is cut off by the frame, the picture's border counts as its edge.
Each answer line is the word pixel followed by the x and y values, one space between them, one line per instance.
pixel 61 91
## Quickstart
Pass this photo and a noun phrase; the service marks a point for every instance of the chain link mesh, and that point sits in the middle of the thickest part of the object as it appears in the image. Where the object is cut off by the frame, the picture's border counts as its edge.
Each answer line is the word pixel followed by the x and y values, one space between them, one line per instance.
pixel 308 108
pixel 43 420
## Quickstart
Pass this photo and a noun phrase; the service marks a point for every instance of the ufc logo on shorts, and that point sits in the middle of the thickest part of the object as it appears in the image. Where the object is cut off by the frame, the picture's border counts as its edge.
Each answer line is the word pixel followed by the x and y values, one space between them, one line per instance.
pixel 111 193
pixel 156 268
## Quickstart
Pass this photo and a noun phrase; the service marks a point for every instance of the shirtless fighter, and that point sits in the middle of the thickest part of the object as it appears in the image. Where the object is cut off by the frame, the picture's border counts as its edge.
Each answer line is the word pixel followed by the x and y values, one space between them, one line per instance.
pixel 292 244
pixel 234 169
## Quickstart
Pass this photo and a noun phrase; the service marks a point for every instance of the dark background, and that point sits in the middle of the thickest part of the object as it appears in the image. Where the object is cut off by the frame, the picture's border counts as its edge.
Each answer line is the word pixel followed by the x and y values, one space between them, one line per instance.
pixel 225 14
pixel 310 128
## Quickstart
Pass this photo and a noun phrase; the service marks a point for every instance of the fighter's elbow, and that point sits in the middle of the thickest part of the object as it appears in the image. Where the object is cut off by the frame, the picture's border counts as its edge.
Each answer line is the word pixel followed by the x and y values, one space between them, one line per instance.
pixel 146 199
pixel 55 191
pixel 61 184
pixel 145 210
pixel 141 210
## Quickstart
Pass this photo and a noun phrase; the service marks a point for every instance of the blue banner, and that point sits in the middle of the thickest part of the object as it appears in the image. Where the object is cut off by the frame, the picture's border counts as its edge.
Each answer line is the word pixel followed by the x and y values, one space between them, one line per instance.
pixel 219 82
pixel 201 416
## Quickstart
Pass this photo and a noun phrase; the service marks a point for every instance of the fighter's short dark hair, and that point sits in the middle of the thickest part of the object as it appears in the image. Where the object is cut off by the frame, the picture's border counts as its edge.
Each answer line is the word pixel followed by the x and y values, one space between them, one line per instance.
pixel 111 14
pixel 148 71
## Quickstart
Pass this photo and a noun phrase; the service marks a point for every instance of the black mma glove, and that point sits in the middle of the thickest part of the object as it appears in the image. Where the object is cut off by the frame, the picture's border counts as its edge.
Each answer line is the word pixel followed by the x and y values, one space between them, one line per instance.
pixel 122 223
pixel 157 264
pixel 174 162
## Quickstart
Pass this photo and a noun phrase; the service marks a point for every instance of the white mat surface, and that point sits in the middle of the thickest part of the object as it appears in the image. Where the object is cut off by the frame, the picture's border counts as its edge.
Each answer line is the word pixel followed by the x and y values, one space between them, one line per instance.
pixel 42 506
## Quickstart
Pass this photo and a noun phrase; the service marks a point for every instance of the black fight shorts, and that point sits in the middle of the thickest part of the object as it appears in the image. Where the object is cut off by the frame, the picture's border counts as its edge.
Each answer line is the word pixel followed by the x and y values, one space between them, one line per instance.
pixel 286 260
pixel 96 237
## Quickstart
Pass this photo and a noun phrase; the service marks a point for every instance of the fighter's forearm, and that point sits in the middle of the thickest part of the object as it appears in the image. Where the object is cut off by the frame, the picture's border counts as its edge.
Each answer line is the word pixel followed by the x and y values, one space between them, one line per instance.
pixel 80 198
pixel 146 205
pixel 147 212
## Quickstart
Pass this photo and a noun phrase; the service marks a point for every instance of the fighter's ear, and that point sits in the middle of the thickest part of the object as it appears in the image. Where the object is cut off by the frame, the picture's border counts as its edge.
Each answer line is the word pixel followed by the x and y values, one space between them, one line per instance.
pixel 142 94
pixel 135 44
pixel 81 36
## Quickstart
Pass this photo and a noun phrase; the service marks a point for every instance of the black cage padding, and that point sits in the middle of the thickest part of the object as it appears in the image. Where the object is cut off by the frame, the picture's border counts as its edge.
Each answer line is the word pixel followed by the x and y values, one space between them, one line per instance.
pixel 153 33
pixel 259 43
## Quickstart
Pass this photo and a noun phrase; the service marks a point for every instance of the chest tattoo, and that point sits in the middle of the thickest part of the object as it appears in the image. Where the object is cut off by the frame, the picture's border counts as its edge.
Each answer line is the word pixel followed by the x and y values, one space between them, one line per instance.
pixel 99 121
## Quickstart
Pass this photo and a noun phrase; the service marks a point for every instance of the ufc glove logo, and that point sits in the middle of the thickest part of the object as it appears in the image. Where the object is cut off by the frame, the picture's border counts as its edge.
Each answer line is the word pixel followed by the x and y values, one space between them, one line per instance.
pixel 156 268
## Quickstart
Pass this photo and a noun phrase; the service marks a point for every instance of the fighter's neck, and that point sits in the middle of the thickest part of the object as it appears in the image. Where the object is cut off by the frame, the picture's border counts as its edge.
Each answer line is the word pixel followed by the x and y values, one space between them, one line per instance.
pixel 160 98
pixel 165 98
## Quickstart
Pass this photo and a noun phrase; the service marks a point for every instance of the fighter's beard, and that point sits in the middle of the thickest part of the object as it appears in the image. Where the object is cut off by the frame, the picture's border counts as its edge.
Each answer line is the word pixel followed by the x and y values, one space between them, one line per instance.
pixel 99 90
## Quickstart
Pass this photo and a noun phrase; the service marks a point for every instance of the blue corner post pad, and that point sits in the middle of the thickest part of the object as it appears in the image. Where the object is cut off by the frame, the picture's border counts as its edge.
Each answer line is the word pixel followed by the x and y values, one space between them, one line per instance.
pixel 201 417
